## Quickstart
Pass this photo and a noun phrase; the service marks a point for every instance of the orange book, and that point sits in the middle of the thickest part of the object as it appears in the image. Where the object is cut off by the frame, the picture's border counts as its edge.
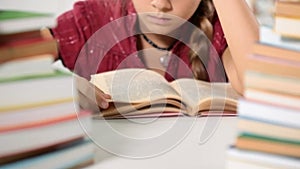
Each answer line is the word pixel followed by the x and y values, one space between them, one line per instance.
pixel 19 36
pixel 11 50
pixel 287 9
pixel 276 52
pixel 268 145
pixel 273 66
pixel 272 83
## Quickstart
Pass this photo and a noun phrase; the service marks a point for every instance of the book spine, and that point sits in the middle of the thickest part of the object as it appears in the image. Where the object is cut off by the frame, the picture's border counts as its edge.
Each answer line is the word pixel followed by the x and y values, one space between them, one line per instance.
pixel 287 9
pixel 273 66
pixel 268 145
pixel 269 113
pixel 34 48
pixel 287 27
pixel 276 52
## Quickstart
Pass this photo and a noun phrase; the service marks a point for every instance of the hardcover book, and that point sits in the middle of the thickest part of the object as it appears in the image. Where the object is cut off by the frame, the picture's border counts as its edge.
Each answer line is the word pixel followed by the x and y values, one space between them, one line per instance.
pixel 141 91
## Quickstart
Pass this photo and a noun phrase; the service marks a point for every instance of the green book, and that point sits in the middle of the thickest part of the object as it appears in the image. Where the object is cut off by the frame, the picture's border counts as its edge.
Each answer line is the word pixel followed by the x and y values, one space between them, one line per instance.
pixel 260 143
pixel 269 139
pixel 55 73
pixel 11 14
pixel 13 21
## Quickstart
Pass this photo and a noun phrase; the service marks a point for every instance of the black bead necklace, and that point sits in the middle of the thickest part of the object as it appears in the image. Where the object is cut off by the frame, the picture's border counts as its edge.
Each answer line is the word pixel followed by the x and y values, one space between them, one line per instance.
pixel 155 45
pixel 164 60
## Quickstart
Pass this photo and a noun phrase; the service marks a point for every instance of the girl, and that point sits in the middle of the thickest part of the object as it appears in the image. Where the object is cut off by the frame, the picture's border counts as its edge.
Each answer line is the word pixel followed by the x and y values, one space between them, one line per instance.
pixel 155 28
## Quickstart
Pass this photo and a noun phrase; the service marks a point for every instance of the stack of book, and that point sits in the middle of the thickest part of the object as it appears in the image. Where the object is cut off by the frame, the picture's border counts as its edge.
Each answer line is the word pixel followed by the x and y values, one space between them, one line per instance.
pixel 269 113
pixel 41 125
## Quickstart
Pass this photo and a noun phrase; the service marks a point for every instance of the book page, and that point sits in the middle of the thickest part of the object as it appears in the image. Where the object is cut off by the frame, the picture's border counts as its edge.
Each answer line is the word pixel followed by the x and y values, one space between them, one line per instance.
pixel 134 85
pixel 192 90
pixel 203 96
pixel 125 108
pixel 128 109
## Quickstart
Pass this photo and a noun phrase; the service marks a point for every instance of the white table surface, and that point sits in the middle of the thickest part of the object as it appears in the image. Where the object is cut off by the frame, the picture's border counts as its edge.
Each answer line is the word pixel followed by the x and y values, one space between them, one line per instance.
pixel 163 143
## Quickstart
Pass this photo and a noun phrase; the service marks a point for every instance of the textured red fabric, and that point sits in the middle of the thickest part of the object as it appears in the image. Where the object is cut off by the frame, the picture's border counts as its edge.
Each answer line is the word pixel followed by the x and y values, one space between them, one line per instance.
pixel 83 48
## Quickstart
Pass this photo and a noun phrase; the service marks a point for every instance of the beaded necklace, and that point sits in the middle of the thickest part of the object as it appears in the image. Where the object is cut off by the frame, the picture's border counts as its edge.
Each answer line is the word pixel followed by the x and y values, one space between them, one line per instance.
pixel 164 59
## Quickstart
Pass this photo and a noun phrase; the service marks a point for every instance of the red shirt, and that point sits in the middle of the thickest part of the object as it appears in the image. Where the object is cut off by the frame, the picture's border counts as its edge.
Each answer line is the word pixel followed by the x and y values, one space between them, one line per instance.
pixel 89 45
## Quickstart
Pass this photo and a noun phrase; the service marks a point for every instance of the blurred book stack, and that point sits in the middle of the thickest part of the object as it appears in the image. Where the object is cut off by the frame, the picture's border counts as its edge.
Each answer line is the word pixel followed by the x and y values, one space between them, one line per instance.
pixel 287 18
pixel 41 125
pixel 269 112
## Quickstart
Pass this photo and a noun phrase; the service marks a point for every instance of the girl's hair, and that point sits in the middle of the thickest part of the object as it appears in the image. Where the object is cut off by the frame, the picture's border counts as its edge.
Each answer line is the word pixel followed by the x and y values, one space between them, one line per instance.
pixel 200 43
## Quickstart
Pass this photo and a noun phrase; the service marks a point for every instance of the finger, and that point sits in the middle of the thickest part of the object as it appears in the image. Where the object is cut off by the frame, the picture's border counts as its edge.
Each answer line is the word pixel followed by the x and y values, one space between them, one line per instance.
pixel 100 92
pixel 101 99
pixel 86 104
pixel 107 96
pixel 92 92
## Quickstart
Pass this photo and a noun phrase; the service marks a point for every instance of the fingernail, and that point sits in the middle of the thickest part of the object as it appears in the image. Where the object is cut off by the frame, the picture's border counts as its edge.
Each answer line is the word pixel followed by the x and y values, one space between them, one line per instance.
pixel 104 104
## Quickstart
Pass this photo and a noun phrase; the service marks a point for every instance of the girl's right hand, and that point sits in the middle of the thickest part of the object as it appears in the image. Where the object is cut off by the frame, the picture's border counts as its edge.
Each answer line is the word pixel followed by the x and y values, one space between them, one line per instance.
pixel 91 97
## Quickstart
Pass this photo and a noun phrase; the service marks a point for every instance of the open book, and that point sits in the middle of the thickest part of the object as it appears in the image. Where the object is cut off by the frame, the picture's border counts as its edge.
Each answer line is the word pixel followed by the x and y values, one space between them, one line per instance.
pixel 140 91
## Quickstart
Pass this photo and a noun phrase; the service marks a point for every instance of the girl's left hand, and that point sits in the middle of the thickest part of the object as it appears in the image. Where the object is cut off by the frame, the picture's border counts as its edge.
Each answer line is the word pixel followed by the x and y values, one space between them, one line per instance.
pixel 91 97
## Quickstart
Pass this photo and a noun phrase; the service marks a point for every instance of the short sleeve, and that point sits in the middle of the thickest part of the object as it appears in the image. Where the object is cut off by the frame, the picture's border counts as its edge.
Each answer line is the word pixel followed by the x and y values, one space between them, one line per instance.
pixel 215 65
pixel 71 33
pixel 219 41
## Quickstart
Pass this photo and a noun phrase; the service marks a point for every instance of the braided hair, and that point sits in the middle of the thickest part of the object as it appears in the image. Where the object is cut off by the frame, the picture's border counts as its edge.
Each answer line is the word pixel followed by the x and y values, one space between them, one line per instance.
pixel 202 19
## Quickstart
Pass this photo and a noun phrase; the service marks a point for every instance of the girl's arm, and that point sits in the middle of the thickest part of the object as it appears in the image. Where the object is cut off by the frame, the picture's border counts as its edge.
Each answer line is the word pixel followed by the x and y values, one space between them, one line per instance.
pixel 241 30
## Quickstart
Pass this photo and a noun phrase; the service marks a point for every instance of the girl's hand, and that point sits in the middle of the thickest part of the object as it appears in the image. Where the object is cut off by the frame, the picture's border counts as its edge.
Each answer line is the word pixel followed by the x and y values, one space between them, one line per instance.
pixel 46 34
pixel 91 97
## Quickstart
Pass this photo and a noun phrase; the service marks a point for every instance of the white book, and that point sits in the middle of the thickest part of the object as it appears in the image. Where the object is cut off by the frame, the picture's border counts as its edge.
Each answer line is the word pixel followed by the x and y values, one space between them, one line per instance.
pixel 242 159
pixel 29 66
pixel 38 91
pixel 287 26
pixel 24 117
pixel 269 113
pixel 270 37
pixel 273 98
